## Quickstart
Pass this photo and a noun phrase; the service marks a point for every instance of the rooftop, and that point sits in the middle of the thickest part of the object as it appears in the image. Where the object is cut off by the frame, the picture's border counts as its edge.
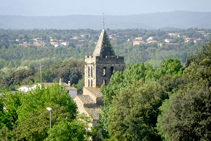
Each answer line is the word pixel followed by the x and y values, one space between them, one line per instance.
pixel 103 47
pixel 95 91
pixel 93 112
pixel 86 99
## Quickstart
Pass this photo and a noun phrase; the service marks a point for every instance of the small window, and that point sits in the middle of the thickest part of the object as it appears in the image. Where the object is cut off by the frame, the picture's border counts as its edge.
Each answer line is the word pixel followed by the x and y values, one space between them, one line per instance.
pixel 88 82
pixel 91 71
pixel 88 71
pixel 104 71
pixel 91 83
pixel 112 69
pixel 104 82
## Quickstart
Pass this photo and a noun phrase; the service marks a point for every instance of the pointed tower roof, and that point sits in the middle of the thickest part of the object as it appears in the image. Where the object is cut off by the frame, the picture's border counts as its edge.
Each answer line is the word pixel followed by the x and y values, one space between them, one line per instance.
pixel 103 47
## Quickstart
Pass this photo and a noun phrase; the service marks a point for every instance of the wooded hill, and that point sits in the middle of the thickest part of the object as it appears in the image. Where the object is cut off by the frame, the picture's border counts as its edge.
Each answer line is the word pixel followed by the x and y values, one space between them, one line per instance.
pixel 177 19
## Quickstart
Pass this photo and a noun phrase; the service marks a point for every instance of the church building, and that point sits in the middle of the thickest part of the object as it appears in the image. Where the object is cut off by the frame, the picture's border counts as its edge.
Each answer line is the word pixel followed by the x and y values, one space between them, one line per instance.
pixel 98 69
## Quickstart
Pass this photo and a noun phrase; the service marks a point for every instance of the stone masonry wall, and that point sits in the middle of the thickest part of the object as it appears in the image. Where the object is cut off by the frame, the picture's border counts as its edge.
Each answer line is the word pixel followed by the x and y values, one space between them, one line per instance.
pixel 98 63
pixel 80 105
pixel 86 92
pixel 100 75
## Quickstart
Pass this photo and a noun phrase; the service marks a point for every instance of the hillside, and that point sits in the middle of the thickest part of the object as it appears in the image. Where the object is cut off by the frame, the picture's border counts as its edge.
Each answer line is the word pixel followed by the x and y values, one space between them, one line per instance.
pixel 177 19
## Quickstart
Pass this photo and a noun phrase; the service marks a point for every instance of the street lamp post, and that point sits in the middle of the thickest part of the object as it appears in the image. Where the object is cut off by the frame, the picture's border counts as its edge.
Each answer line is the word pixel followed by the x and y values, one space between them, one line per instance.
pixel 49 109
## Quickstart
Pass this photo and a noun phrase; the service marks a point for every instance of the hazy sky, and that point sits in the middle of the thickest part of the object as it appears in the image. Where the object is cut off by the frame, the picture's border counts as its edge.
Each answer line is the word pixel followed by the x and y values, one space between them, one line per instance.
pixel 97 7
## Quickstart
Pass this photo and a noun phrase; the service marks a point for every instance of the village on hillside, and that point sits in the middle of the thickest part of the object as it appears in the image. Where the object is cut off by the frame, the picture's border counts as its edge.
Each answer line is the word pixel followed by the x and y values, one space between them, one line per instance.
pixel 167 38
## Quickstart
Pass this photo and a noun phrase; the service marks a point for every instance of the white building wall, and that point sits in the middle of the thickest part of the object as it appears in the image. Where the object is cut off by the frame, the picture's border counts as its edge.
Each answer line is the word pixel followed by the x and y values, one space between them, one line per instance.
pixel 23 89
pixel 72 93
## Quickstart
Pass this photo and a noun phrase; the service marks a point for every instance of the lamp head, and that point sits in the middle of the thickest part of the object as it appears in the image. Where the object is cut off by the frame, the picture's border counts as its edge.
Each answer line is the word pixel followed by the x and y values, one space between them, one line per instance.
pixel 49 109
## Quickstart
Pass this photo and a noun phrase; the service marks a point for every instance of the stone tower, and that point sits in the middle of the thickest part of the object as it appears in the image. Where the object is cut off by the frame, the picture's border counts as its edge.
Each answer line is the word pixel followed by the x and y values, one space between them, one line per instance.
pixel 100 66
pixel 98 70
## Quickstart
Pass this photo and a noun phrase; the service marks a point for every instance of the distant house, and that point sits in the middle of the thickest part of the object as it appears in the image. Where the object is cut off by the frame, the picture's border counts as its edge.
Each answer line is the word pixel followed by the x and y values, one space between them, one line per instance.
pixel 205 35
pixel 17 40
pixel 150 39
pixel 64 43
pixel 160 44
pixel 110 37
pixel 202 32
pixel 55 44
pixel 24 88
pixel 37 39
pixel 172 34
pixel 74 38
pixel 197 40
pixel 82 36
pixel 168 40
pixel 187 39
pixel 71 90
pixel 138 39
pixel 24 44
pixel 38 42
pixel 184 36
pixel 138 42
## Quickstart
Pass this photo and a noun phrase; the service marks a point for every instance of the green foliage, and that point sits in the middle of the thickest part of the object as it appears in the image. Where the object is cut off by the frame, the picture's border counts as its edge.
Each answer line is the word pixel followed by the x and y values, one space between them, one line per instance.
pixel 68 71
pixel 24 76
pixel 171 67
pixel 24 116
pixel 185 116
pixel 79 86
pixel 171 84
pixel 46 97
pixel 188 115
pixel 14 55
pixel 119 81
pixel 9 104
pixel 74 131
pixel 189 60
pixel 134 112
pixel 138 72
pixel 36 126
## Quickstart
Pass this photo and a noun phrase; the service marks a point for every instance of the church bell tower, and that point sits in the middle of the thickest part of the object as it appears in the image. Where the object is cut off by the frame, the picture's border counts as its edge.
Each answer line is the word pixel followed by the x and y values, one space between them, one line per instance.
pixel 100 66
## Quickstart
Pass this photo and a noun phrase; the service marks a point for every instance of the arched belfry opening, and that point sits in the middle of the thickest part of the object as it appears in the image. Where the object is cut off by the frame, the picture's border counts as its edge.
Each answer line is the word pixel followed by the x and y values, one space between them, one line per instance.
pixel 104 82
pixel 88 71
pixel 112 70
pixel 91 71
pixel 104 71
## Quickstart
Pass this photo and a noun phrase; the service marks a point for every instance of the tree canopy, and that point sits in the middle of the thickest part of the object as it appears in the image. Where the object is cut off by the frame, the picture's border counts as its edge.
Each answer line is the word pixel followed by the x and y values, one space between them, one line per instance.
pixel 25 117
pixel 166 103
